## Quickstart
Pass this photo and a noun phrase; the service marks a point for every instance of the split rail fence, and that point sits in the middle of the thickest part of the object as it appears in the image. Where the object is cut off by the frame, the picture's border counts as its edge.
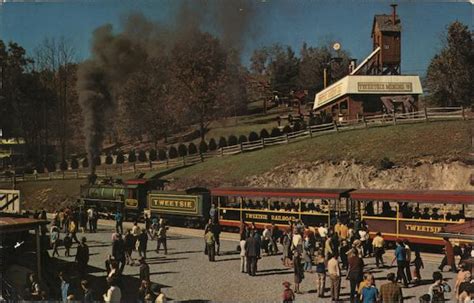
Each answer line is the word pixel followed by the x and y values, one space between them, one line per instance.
pixel 425 115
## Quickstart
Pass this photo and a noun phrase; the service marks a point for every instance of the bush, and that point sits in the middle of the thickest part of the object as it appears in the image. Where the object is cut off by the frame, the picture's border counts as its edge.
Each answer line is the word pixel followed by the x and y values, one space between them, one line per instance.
pixel 40 167
pixel 85 163
pixel 264 134
pixel 182 150
pixel 50 164
pixel 192 149
pixel 29 170
pixel 212 144
pixel 109 159
pixel 203 147
pixel 153 155
pixel 120 158
pixel 222 142
pixel 132 157
pixel 142 156
pixel 385 163
pixel 162 155
pixel 63 166
pixel 242 139
pixel 173 152
pixel 275 132
pixel 287 129
pixel 232 140
pixel 97 161
pixel 253 136
pixel 74 163
pixel 297 126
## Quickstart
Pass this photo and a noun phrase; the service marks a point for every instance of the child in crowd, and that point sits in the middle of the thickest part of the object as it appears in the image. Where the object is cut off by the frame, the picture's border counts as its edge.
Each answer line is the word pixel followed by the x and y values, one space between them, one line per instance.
pixel 288 294
pixel 67 244
pixel 418 262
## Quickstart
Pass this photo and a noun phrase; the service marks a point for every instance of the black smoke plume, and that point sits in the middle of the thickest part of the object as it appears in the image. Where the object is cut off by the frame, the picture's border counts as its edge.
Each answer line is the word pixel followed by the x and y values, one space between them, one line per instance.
pixel 115 56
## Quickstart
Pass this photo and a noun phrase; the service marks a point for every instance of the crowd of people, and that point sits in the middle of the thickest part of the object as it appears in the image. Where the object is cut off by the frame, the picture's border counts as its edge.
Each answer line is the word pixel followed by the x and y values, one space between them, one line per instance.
pixel 70 222
pixel 326 255
pixel 331 253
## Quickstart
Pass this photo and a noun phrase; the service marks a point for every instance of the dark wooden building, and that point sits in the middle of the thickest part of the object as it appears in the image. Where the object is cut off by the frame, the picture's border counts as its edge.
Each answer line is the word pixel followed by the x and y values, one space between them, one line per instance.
pixel 386 34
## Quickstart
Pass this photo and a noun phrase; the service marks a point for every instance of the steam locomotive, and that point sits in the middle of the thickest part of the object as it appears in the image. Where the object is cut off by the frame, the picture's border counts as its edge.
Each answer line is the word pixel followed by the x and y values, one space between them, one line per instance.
pixel 145 194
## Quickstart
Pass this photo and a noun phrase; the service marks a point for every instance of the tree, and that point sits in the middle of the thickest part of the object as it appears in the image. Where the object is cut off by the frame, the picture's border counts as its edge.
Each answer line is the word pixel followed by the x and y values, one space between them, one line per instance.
pixel 199 66
pixel 162 155
pixel 182 150
pixel 54 60
pixel 74 163
pixel 192 149
pixel 253 136
pixel 85 163
pixel 212 144
pixel 153 155
pixel 264 133
pixel 120 158
pixel 142 156
pixel 222 142
pixel 203 147
pixel 132 157
pixel 275 132
pixel 148 104
pixel 97 160
pixel 172 152
pixel 109 159
pixel 232 140
pixel 450 73
pixel 242 139
pixel 287 129
pixel 63 166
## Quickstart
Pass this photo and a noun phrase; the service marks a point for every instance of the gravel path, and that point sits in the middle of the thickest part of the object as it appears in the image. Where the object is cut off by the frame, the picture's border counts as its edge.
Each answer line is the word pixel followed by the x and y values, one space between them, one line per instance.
pixel 186 274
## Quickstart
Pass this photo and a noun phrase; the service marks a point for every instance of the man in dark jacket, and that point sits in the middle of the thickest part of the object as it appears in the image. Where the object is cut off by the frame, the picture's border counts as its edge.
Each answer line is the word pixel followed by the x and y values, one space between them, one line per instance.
pixel 82 257
pixel 252 249
pixel 144 270
pixel 355 273
pixel 118 251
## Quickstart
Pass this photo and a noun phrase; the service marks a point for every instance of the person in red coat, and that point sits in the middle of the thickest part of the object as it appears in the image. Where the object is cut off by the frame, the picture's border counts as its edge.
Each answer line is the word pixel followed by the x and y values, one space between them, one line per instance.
pixel 448 256
pixel 288 294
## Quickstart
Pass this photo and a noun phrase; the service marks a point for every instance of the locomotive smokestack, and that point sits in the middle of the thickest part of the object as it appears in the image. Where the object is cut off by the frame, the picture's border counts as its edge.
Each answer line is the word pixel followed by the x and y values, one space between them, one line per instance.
pixel 394 13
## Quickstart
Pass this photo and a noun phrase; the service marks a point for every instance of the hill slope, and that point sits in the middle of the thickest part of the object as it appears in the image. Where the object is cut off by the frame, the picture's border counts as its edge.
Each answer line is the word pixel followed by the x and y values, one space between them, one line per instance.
pixel 402 144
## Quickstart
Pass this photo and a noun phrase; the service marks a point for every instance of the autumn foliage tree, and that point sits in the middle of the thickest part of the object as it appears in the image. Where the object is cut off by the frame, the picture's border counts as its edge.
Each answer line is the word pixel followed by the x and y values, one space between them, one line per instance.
pixel 450 73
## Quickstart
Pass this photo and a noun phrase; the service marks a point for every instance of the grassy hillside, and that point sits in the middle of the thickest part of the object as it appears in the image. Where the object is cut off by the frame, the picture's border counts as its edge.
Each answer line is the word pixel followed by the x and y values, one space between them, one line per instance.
pixel 402 144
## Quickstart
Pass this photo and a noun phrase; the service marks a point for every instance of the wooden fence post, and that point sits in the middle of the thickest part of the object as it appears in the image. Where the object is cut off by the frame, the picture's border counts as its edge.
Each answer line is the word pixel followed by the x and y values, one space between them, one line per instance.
pixel 242 147
pixel 364 121
pixel 426 114
pixel 263 142
pixel 167 162
pixel 222 151
pixel 463 113
pixel 134 167
pixel 394 118
pixel 287 140
pixel 335 126
pixel 184 160
pixel 310 132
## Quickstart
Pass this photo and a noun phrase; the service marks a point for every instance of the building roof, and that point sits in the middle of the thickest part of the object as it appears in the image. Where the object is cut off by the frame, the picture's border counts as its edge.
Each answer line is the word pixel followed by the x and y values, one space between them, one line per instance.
pixel 424 196
pixel 369 85
pixel 385 23
pixel 18 224
pixel 316 193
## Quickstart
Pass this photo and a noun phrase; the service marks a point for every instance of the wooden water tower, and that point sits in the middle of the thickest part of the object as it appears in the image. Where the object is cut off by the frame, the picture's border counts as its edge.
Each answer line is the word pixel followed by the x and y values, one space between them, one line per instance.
pixel 386 34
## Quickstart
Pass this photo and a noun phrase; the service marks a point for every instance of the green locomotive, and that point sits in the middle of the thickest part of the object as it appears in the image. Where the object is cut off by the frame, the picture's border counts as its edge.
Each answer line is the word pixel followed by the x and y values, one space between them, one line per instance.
pixel 144 194
pixel 128 196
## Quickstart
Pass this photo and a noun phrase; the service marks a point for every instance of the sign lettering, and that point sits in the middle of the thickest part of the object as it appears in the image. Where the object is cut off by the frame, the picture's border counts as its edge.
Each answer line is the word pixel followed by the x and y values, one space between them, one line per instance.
pixel 423 228
pixel 178 204
pixel 384 87
pixel 329 94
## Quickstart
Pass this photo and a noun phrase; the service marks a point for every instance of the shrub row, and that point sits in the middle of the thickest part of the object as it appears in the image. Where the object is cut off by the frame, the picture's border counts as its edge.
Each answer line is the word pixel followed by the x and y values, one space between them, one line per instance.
pixel 181 150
